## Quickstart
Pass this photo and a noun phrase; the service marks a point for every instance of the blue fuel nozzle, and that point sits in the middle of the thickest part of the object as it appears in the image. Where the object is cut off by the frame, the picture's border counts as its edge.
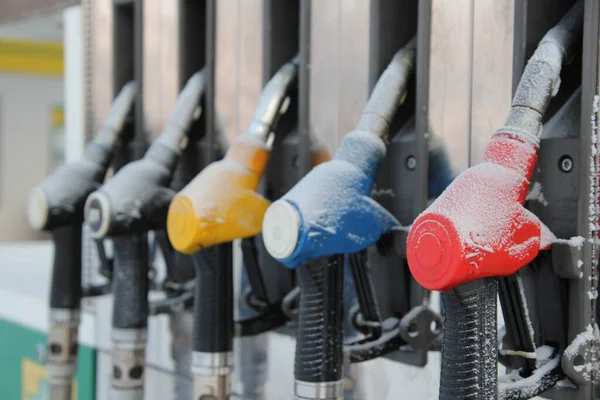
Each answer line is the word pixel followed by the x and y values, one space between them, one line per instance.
pixel 330 210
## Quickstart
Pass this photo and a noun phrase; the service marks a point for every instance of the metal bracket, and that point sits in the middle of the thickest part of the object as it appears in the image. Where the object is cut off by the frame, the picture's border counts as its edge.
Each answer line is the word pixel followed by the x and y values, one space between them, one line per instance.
pixel 581 359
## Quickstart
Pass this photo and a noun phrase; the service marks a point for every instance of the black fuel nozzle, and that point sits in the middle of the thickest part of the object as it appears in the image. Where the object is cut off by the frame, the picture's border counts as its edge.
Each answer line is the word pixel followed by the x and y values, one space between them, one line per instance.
pixel 56 206
pixel 134 201
pixel 137 198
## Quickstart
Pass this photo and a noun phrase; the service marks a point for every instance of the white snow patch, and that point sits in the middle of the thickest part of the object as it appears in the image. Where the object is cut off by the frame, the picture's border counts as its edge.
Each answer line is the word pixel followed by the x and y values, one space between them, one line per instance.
pixel 535 193
pixel 526 309
pixel 576 241
pixel 347 191
pixel 356 238
pixel 383 192
pixel 590 333
pixel 565 384
pixel 527 386
pixel 521 248
pixel 592 294
pixel 543 354
pixel 576 347
pixel 487 221
pixel 579 264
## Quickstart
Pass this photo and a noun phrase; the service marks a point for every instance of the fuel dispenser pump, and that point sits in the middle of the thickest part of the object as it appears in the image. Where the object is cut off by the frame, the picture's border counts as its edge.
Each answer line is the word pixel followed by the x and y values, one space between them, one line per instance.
pixel 129 205
pixel 56 206
pixel 478 229
pixel 311 233
pixel 222 205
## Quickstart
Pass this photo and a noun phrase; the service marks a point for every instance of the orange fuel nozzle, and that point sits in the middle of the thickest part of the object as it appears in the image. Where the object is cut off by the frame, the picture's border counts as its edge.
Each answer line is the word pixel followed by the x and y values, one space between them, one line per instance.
pixel 221 203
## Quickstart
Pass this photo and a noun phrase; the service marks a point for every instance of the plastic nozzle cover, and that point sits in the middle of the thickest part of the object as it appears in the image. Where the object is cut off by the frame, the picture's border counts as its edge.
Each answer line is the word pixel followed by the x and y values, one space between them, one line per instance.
pixel 59 200
pixel 330 210
pixel 273 101
pixel 221 204
pixel 478 227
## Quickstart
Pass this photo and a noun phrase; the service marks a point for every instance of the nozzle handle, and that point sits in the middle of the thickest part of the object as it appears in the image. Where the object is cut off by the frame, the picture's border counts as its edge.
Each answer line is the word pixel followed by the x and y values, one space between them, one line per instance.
pixel 470 342
pixel 59 200
pixel 186 110
pixel 388 92
pixel 65 288
pixel 130 281
pixel 213 304
pixel 320 339
pixel 272 103
pixel 110 132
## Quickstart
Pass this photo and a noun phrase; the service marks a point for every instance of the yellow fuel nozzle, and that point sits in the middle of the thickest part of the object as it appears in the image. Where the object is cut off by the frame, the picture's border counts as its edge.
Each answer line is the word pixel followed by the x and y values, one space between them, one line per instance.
pixel 221 204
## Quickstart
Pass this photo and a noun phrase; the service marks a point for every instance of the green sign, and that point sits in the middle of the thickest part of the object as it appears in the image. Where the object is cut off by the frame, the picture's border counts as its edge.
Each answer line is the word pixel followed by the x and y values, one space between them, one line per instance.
pixel 22 374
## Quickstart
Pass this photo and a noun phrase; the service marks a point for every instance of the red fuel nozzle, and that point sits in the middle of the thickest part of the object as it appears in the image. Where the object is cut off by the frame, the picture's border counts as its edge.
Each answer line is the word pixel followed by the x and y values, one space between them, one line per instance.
pixel 478 227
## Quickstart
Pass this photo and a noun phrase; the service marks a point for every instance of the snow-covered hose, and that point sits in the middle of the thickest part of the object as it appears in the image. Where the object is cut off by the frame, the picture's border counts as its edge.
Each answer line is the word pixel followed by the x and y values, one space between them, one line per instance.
pixel 130 281
pixel 541 78
pixel 130 315
pixel 320 339
pixel 213 304
pixel 478 229
pixel 469 359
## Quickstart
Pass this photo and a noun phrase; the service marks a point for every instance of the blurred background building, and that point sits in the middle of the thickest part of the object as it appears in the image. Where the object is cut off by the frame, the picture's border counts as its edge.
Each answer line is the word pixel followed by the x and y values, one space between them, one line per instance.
pixel 31 114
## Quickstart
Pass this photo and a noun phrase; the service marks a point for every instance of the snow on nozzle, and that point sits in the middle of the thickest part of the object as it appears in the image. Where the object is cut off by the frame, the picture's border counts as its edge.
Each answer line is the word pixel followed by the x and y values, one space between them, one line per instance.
pixel 334 211
pixel 478 227
pixel 330 210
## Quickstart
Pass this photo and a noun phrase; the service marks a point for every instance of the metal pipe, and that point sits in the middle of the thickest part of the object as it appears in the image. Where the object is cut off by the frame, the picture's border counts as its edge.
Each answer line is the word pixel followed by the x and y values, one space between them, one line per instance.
pixel 273 101
pixel 389 92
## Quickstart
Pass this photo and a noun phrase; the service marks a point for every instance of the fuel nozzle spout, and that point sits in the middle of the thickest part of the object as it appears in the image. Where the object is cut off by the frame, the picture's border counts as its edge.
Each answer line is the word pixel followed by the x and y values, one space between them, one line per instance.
pixel 136 199
pixel 59 200
pixel 221 204
pixel 478 227
pixel 330 210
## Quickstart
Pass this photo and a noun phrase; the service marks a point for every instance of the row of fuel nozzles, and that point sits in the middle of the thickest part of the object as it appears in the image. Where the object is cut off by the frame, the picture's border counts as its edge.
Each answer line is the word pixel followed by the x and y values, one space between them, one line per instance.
pixel 476 229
